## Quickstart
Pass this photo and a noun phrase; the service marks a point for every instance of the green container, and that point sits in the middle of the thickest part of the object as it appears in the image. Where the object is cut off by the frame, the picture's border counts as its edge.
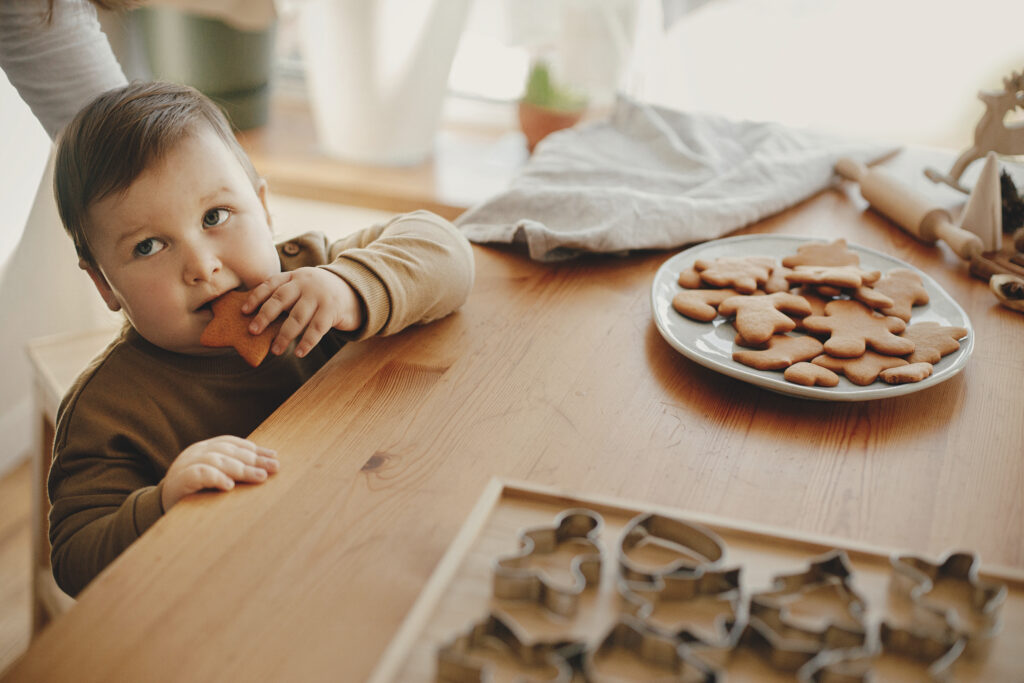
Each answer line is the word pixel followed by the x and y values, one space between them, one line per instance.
pixel 228 65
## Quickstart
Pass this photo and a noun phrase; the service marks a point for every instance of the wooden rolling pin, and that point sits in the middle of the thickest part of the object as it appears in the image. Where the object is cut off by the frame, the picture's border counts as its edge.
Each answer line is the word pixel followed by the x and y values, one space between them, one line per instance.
pixel 908 209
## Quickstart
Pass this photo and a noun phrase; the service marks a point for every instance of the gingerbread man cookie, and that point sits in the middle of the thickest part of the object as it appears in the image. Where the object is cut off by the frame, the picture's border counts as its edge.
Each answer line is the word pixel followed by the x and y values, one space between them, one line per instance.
pixel 759 317
pixel 862 370
pixel 230 327
pixel 853 327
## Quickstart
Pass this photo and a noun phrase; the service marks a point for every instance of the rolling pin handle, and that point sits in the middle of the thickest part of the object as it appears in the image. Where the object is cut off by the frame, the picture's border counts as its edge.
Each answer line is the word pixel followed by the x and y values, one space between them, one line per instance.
pixel 965 244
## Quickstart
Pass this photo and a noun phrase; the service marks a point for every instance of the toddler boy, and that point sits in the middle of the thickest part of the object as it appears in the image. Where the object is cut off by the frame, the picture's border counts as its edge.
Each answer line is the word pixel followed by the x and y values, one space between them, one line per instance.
pixel 167 214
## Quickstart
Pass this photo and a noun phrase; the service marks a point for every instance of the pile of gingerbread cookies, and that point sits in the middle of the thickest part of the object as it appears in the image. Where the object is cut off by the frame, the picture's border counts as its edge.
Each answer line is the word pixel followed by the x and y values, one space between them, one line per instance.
pixel 818 314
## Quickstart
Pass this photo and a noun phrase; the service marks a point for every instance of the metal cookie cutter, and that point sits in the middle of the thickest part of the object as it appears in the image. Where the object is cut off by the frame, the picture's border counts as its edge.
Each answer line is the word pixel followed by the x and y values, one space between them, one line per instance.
pixel 456 664
pixel 785 647
pixel 915 577
pixel 652 648
pixel 513 580
pixel 831 572
pixel 781 653
pixel 934 652
pixel 705 547
pixel 788 646
pixel 642 600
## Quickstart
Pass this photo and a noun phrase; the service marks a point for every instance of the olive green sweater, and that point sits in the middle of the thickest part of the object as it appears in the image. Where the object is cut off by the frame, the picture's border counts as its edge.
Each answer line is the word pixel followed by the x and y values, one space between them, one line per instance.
pixel 137 406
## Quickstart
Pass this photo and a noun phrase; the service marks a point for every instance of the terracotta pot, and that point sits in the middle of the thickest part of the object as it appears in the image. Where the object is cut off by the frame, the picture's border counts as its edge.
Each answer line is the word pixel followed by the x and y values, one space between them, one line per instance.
pixel 538 122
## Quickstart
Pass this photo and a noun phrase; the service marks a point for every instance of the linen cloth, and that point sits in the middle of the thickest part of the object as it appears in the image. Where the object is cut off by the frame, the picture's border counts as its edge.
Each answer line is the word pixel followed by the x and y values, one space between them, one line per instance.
pixel 656 178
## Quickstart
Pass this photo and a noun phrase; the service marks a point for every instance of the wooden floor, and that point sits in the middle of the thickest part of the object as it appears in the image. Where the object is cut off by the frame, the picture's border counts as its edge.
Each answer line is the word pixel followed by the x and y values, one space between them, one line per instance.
pixel 15 554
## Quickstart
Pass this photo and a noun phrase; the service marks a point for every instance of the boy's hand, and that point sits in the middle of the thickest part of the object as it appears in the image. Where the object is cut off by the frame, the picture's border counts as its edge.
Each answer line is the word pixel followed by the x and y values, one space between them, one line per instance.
pixel 216 463
pixel 317 299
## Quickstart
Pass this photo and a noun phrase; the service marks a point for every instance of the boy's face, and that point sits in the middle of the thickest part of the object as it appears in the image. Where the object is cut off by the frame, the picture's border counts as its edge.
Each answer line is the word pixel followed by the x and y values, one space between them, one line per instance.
pixel 190 228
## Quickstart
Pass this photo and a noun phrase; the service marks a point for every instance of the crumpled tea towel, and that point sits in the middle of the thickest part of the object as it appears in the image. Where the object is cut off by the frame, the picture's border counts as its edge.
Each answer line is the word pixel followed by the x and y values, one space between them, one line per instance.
pixel 656 178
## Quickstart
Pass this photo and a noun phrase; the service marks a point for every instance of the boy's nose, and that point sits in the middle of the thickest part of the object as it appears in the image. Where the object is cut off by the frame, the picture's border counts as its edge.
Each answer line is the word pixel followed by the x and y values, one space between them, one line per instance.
pixel 200 266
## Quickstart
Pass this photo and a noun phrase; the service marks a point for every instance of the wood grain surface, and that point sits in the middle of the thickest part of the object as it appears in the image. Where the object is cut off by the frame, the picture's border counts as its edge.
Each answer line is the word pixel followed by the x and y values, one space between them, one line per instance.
pixel 552 374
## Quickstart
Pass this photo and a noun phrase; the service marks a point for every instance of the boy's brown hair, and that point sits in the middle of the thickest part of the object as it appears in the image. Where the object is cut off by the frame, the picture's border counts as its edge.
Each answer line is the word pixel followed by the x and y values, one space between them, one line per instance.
pixel 117 136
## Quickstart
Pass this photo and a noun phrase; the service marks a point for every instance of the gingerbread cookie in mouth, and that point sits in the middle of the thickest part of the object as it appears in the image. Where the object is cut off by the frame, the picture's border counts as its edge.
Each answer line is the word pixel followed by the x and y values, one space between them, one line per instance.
pixel 230 328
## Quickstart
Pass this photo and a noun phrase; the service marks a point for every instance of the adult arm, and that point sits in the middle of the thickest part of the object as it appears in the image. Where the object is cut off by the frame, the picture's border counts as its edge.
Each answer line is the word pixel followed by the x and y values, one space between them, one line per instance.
pixel 60 65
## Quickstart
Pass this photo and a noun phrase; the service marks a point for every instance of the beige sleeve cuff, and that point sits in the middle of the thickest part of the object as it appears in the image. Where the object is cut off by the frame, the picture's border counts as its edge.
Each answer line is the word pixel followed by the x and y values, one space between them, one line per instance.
pixel 372 294
pixel 413 269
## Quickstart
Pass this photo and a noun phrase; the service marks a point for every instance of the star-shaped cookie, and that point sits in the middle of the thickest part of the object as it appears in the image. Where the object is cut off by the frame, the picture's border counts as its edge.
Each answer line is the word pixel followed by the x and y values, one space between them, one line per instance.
pixel 814 254
pixel 230 327
pixel 932 341
pixel 905 289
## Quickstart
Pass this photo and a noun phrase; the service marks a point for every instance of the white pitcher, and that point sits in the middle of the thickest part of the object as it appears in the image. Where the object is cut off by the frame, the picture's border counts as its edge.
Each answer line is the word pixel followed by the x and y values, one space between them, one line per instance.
pixel 377 72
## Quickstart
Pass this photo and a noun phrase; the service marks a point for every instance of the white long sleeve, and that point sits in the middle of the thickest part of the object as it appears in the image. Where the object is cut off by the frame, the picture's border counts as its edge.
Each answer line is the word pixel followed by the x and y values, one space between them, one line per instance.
pixel 57 66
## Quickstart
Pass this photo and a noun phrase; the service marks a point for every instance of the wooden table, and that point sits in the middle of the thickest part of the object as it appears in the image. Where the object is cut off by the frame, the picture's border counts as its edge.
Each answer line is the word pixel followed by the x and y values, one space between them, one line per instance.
pixel 552 374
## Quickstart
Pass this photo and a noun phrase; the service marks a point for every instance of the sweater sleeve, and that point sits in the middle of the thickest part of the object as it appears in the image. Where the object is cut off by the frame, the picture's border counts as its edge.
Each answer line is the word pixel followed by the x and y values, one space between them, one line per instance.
pixel 57 66
pixel 104 492
pixel 412 269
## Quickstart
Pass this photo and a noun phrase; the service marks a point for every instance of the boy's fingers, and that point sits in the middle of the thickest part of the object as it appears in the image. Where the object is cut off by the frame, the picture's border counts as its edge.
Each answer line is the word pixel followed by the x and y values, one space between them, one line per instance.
pixel 231 459
pixel 297 321
pixel 238 470
pixel 203 476
pixel 315 331
pixel 269 464
pixel 283 298
pixel 260 293
pixel 247 445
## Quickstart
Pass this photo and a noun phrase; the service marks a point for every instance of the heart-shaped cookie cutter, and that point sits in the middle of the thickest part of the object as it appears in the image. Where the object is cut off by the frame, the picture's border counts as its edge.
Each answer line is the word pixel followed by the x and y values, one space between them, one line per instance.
pixel 704 546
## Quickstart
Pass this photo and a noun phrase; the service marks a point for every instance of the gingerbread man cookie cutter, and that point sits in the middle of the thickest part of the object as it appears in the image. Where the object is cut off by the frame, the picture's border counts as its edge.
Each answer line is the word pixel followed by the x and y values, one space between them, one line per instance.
pixel 456 662
pixel 914 577
pixel 514 580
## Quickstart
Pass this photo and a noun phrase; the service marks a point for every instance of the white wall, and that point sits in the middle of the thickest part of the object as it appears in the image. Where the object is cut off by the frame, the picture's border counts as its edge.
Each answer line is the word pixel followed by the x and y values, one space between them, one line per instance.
pixel 23 153
pixel 42 291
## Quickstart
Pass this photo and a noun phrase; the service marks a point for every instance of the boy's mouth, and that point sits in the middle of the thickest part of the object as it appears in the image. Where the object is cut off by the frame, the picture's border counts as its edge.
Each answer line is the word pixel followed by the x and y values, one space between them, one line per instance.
pixel 208 304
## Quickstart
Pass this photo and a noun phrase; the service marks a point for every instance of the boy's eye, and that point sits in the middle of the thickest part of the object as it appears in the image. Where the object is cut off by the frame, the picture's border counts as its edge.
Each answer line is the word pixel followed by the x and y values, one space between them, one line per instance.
pixel 148 247
pixel 214 217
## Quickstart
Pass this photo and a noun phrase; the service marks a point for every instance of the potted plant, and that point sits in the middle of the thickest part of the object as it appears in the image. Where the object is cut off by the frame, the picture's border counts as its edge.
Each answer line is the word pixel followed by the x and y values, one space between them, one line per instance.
pixel 547 106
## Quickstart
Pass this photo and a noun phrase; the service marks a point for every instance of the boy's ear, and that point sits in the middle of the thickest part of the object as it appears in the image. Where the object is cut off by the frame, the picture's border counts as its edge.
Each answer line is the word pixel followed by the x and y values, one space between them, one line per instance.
pixel 261 190
pixel 101 285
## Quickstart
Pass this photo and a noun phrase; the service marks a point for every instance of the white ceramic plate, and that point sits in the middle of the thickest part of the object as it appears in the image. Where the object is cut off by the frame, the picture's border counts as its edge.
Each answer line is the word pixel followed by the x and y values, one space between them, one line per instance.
pixel 711 344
